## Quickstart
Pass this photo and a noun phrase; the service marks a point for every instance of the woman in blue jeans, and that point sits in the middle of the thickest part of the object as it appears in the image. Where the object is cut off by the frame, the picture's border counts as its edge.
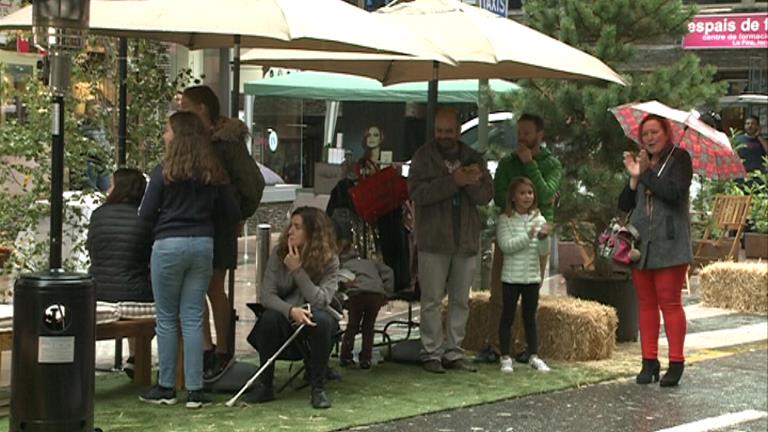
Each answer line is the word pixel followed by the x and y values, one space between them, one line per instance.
pixel 184 194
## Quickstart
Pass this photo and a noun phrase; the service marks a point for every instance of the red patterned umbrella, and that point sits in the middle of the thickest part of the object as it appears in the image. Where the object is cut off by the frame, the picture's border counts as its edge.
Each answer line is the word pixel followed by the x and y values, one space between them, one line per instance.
pixel 710 149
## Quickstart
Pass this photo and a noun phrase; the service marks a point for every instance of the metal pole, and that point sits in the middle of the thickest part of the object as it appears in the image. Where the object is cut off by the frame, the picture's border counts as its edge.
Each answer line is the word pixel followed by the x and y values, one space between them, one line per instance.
pixel 122 128
pixel 235 100
pixel 432 103
pixel 262 253
pixel 482 113
pixel 57 180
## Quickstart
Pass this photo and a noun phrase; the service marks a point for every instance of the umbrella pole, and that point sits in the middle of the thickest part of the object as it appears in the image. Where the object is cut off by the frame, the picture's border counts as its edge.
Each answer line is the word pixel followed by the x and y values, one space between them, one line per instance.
pixel 432 103
pixel 235 99
pixel 122 128
pixel 233 113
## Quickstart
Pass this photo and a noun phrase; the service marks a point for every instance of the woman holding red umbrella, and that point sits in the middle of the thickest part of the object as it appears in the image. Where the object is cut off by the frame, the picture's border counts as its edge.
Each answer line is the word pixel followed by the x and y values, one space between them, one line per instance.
pixel 658 195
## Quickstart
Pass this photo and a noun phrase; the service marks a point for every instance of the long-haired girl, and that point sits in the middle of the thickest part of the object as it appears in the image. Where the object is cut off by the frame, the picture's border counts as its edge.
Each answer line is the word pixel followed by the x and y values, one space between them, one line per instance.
pixel 184 194
pixel 521 234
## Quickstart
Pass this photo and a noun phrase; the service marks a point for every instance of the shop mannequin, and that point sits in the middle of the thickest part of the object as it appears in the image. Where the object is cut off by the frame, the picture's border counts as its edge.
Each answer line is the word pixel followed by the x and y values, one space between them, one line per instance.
pixel 385 240
pixel 372 142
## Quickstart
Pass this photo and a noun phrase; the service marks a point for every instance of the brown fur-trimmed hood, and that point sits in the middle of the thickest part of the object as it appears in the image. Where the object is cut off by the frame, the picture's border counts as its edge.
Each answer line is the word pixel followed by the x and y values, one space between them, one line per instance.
pixel 230 130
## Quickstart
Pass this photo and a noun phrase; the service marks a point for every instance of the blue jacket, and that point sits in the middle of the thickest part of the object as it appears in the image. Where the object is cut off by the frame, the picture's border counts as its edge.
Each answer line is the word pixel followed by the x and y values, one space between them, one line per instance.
pixel 187 208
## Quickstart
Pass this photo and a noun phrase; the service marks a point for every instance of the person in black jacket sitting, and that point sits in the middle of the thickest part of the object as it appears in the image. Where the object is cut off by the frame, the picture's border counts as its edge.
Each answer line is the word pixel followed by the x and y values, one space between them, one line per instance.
pixel 119 245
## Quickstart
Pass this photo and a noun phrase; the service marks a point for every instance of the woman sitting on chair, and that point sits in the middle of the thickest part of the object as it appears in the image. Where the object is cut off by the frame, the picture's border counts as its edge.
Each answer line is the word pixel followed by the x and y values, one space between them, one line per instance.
pixel 119 245
pixel 301 270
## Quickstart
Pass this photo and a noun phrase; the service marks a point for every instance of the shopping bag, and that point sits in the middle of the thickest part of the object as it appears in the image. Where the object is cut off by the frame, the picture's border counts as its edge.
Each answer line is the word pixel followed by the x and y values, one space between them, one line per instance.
pixel 379 194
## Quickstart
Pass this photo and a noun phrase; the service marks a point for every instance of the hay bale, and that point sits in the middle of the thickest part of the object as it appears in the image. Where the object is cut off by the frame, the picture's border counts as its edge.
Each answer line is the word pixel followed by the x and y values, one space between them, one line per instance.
pixel 569 328
pixel 740 286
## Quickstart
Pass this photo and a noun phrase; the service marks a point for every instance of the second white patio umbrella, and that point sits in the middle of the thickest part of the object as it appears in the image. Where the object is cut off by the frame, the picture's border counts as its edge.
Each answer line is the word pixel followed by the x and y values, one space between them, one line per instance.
pixel 484 45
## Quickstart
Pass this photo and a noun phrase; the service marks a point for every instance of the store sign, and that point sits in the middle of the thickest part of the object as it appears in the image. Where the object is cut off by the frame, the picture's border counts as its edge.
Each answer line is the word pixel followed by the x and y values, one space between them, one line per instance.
pixel 499 7
pixel 730 31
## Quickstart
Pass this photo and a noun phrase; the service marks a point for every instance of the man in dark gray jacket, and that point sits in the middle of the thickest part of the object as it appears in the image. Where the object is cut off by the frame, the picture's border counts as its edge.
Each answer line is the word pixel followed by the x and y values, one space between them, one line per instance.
pixel 447 181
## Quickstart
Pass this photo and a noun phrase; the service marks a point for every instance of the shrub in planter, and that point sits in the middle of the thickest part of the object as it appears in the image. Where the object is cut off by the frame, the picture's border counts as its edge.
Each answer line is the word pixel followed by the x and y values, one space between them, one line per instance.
pixel 756 241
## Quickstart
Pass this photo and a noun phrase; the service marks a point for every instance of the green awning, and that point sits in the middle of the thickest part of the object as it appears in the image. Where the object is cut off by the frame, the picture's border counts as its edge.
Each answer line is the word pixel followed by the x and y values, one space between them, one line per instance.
pixel 341 87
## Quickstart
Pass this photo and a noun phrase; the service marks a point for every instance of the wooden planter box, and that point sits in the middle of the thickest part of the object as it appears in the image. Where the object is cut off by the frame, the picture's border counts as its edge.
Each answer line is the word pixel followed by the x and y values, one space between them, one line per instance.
pixel 756 245
pixel 569 256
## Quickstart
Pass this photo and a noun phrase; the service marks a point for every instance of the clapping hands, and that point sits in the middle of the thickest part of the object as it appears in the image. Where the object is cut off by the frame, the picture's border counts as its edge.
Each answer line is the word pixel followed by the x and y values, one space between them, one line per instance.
pixel 636 165
pixel 540 231
pixel 469 175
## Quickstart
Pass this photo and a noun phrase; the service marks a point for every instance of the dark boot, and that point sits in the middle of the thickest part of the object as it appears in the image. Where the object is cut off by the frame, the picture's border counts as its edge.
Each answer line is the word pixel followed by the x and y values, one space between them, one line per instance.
pixel 320 399
pixel 649 373
pixel 673 375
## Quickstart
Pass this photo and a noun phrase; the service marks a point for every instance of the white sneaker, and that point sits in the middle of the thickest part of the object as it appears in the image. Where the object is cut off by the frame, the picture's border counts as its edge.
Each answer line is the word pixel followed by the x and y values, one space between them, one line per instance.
pixel 538 364
pixel 506 364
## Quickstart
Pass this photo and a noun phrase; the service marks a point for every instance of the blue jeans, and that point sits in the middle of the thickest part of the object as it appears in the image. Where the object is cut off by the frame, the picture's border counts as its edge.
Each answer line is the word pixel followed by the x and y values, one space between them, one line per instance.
pixel 181 270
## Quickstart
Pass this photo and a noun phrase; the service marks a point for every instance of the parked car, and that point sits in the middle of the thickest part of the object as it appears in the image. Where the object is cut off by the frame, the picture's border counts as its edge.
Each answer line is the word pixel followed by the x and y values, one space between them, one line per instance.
pixel 502 135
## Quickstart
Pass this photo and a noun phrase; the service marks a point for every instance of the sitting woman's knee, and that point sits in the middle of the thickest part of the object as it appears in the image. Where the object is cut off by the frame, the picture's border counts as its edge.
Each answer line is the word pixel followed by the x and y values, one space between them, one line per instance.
pixel 323 319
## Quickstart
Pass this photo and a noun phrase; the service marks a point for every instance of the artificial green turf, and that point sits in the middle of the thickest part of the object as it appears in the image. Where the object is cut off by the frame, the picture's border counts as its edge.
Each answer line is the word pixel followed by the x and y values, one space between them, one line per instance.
pixel 388 391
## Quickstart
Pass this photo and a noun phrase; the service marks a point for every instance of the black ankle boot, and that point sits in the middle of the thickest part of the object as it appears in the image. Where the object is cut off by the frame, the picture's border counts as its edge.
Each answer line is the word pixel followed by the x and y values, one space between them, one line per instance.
pixel 649 373
pixel 673 375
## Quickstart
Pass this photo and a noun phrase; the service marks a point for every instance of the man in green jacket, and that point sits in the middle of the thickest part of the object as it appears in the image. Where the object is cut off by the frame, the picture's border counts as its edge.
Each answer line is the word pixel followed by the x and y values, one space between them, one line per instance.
pixel 545 171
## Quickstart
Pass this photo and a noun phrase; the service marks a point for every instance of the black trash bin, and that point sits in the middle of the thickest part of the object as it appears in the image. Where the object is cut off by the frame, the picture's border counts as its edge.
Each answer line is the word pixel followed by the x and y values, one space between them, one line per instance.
pixel 52 371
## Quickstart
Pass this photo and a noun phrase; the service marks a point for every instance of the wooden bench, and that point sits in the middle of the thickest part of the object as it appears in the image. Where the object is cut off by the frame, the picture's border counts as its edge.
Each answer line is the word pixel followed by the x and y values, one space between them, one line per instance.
pixel 141 330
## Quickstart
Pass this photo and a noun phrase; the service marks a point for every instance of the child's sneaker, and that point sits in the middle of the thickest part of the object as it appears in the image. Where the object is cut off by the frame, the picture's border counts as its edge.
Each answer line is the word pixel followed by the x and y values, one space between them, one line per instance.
pixel 538 363
pixel 197 399
pixel 159 395
pixel 506 364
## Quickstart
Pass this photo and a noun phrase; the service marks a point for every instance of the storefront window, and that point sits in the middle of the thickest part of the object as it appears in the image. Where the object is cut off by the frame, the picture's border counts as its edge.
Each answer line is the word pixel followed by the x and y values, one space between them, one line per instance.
pixel 278 137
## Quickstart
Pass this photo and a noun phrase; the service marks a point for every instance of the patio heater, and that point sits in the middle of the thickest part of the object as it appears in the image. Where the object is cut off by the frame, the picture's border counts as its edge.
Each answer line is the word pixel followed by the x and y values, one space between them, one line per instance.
pixel 52 370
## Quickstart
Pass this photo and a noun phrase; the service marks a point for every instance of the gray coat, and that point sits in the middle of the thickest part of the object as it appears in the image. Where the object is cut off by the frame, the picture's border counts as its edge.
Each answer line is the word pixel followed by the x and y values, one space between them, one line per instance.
pixel 281 289
pixel 433 191
pixel 663 217
pixel 370 276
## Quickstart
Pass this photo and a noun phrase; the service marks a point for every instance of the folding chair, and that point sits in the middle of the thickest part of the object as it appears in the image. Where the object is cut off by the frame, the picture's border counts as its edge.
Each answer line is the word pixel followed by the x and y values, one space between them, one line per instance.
pixel 409 323
pixel 729 214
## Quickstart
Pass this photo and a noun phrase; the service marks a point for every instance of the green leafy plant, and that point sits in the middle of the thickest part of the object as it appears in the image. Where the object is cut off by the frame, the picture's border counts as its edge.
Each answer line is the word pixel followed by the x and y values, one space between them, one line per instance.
pixel 25 144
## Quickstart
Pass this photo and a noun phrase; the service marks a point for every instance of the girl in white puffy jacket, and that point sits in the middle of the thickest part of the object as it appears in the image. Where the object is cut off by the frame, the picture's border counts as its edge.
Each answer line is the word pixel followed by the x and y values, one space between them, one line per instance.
pixel 522 235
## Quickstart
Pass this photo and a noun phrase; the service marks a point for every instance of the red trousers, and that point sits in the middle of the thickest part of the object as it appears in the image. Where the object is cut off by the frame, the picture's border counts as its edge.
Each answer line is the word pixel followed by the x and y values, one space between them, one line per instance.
pixel 661 289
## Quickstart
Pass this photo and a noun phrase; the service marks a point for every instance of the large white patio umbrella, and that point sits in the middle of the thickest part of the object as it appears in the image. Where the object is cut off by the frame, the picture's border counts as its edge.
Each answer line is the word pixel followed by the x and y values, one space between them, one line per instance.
pixel 280 24
pixel 292 24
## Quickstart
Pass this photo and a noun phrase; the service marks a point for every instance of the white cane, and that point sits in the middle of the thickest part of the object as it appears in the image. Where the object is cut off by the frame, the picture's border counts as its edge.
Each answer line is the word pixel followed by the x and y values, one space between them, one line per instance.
pixel 263 367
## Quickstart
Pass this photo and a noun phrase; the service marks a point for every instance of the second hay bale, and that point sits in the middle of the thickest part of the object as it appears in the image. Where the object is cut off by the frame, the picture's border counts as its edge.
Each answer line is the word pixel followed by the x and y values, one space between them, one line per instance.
pixel 741 286
pixel 569 328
